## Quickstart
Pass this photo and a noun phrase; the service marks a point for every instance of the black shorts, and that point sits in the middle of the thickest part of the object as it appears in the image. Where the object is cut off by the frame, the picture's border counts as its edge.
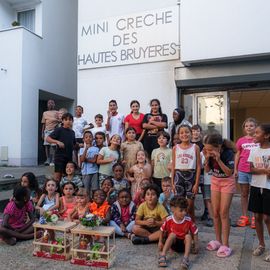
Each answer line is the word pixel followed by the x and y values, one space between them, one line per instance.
pixel 178 245
pixel 259 200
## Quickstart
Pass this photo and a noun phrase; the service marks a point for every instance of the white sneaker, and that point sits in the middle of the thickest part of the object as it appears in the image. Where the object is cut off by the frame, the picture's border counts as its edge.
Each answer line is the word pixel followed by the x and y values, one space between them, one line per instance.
pixel 51 164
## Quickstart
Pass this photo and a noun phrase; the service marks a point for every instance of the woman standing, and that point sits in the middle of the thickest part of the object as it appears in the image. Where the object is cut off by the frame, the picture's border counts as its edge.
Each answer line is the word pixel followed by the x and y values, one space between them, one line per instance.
pixel 153 122
pixel 134 119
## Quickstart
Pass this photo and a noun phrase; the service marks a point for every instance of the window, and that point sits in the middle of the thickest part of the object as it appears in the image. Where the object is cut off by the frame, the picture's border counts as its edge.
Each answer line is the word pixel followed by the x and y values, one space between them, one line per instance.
pixel 27 19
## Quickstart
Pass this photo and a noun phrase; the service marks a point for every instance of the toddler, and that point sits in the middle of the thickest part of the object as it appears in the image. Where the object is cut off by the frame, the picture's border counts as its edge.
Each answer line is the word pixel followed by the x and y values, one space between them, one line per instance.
pixel 67 201
pixel 167 194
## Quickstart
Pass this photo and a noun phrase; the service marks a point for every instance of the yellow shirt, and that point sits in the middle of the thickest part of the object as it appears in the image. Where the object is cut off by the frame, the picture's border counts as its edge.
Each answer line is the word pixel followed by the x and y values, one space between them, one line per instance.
pixel 158 213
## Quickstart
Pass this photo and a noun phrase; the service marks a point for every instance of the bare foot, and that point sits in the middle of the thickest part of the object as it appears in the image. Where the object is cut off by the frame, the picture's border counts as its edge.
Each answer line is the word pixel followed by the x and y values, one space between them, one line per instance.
pixel 10 241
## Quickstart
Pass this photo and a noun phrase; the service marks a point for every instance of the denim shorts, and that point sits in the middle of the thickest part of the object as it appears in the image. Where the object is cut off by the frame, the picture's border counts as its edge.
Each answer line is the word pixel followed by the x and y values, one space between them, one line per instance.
pixel 244 177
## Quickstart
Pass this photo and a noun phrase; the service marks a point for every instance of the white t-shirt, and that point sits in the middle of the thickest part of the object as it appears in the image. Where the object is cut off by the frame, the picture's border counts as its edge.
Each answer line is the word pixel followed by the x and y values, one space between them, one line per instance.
pixel 78 126
pixel 106 152
pixel 117 125
pixel 261 160
pixel 98 129
pixel 185 159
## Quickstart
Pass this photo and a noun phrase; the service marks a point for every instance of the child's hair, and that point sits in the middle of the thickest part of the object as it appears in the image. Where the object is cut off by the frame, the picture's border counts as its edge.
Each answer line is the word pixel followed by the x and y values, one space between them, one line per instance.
pixel 130 128
pixel 185 126
pixel 118 147
pixel 265 128
pixel 216 140
pixel 164 134
pixel 79 106
pixel 124 190
pixel 145 153
pixel 48 178
pixel 82 192
pixel 116 165
pixel 179 201
pixel 73 163
pixel 100 116
pixel 153 187
pixel 113 101
pixel 166 179
pixel 107 179
pixel 66 116
pixel 99 190
pixel 250 119
pixel 20 193
pixel 145 179
pixel 196 127
pixel 68 183
pixel 158 102
pixel 87 131
pixel 101 134
pixel 64 110
pixel 33 183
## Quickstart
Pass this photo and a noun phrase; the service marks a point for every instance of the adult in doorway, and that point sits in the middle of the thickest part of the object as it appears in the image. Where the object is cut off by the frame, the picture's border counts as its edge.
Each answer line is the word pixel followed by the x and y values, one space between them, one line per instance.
pixel 49 121
pixel 135 119
pixel 178 120
pixel 153 122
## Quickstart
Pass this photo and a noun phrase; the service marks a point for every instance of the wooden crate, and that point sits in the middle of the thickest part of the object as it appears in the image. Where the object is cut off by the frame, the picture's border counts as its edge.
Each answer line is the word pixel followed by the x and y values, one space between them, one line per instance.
pixel 52 250
pixel 102 238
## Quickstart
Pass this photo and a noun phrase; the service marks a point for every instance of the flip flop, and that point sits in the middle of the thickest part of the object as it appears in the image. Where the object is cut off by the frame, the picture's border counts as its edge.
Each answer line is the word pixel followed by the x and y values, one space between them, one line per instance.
pixel 258 251
pixel 243 221
pixel 213 245
pixel 162 261
pixel 224 252
pixel 267 258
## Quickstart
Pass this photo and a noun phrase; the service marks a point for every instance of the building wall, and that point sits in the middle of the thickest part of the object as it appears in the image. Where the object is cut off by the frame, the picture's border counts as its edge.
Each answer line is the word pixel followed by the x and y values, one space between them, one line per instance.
pixel 7 15
pixel 124 83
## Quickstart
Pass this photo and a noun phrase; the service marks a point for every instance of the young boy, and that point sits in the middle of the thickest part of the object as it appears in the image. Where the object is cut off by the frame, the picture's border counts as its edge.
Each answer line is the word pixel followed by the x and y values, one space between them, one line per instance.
pixel 161 157
pixel 177 232
pixel 197 136
pixel 99 127
pixel 115 121
pixel 167 194
pixel 100 139
pixel 150 216
pixel 64 138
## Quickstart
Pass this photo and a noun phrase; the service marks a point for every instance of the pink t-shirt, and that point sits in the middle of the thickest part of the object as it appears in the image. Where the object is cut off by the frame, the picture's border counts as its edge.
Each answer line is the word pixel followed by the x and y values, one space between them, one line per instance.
pixel 125 214
pixel 17 216
pixel 244 145
pixel 135 123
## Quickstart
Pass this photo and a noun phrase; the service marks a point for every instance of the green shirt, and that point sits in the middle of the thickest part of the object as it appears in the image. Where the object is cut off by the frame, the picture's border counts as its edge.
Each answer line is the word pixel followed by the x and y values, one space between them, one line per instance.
pixel 161 157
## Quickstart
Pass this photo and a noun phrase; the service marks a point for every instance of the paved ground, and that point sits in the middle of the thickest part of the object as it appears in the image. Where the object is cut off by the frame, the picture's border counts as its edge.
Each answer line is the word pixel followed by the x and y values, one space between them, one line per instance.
pixel 242 240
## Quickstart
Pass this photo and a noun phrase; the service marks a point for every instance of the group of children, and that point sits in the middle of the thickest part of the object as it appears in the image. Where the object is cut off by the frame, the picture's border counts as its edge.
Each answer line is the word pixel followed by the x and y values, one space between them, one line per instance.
pixel 122 186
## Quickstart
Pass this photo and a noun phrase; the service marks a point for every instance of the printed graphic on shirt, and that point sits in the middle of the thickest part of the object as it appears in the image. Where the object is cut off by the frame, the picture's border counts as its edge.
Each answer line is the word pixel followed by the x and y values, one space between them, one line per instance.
pixel 184 158
pixel 157 118
pixel 249 146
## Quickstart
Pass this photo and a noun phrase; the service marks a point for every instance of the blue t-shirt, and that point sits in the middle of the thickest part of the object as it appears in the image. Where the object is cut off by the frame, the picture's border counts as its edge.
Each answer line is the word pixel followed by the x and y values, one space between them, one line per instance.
pixel 89 168
pixel 167 205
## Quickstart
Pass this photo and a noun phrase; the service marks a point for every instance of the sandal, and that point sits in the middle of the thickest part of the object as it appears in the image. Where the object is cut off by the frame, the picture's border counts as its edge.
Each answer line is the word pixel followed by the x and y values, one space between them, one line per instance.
pixel 184 264
pixel 267 258
pixel 162 261
pixel 243 221
pixel 258 251
pixel 224 252
pixel 252 225
pixel 213 245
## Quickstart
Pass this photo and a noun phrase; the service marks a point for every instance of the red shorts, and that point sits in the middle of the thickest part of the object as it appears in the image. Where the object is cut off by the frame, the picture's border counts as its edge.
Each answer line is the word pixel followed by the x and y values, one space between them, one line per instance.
pixel 223 185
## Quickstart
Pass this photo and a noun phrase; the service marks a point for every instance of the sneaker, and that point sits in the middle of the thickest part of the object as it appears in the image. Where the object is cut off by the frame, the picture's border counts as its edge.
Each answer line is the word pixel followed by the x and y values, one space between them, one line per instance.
pixel 51 164
pixel 137 240
pixel 47 163
pixel 184 264
pixel 209 222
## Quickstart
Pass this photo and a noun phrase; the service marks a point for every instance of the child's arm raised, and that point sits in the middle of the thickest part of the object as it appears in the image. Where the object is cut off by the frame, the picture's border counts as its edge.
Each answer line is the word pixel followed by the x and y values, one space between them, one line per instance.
pixel 228 171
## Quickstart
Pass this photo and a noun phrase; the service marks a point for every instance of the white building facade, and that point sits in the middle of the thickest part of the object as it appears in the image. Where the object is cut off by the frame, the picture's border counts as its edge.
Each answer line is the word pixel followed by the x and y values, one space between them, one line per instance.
pixel 37 63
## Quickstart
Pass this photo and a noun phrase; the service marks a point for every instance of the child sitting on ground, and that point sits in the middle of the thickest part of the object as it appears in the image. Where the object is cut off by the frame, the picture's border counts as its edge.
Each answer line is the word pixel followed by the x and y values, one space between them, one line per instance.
pixel 177 233
pixel 14 226
pixel 167 194
pixel 123 214
pixel 67 201
pixel 149 218
pixel 70 175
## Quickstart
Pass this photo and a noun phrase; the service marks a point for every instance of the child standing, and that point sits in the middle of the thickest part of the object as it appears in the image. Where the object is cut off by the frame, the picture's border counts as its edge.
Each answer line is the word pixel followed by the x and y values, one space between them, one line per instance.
pixel 149 218
pixel 88 157
pixel 14 226
pixel 161 157
pixel 64 138
pixel 242 168
pixel 107 157
pixel 99 127
pixel 167 193
pixel 100 140
pixel 176 233
pixel 70 176
pixel 139 171
pixel 67 201
pixel 123 214
pixel 220 159
pixel 129 148
pixel 186 168
pixel 259 200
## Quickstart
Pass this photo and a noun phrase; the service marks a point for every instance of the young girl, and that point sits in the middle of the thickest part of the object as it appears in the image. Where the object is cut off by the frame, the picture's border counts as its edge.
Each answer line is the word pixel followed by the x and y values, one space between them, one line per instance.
pixel 100 140
pixel 107 187
pixel 149 218
pixel 186 168
pixel 29 180
pixel 123 214
pixel 139 171
pixel 108 156
pixel 49 199
pixel 14 225
pixel 67 201
pixel 70 175
pixel 259 200
pixel 100 206
pixel 129 148
pixel 242 168
pixel 138 197
pixel 119 182
pixel 81 208
pixel 219 157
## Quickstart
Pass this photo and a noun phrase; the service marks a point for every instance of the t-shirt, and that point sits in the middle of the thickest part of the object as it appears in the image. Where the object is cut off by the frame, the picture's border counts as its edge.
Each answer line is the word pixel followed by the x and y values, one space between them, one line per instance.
pixel 135 123
pixel 17 216
pixel 200 144
pixel 260 158
pixel 161 157
pixel 50 119
pixel 227 157
pixel 162 199
pixel 120 184
pixel 66 136
pixel 106 152
pixel 94 130
pixel 101 210
pixel 89 168
pixel 159 118
pixel 244 145
pixel 158 213
pixel 180 229
pixel 117 125
pixel 76 180
pixel 78 125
